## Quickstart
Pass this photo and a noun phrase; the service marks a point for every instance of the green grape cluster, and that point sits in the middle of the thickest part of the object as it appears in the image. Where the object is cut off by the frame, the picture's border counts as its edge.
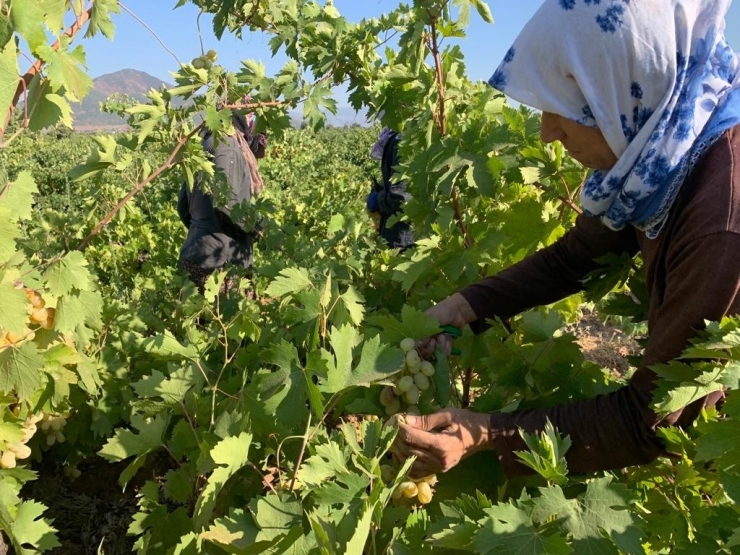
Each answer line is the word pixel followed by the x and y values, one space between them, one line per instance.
pixel 412 382
pixel 205 61
pixel 421 488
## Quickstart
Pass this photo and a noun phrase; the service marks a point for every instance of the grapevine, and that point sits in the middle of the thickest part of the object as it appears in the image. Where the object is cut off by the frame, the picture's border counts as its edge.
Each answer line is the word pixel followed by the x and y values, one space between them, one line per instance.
pixel 227 414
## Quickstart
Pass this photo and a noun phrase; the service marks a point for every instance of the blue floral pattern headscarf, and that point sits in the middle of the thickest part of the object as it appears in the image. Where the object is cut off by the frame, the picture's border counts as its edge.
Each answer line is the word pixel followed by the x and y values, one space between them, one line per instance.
pixel 656 77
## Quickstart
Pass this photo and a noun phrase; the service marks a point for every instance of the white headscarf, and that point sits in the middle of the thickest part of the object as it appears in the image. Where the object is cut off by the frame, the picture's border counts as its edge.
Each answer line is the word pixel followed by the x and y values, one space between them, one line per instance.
pixel 655 76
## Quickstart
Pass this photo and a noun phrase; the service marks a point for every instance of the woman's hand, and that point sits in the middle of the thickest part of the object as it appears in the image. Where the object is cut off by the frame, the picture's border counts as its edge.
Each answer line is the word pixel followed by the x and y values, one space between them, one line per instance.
pixel 441 440
pixel 453 311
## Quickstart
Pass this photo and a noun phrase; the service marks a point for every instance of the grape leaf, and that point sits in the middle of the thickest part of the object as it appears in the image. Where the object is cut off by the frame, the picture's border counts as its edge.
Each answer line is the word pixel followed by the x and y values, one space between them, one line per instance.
pixel 510 530
pixel 8 234
pixel 100 19
pixel 127 444
pixel 164 346
pixel 285 390
pixel 30 529
pixel 68 273
pixel 230 455
pixel 21 369
pixel 13 308
pixel 377 362
pixel 18 196
pixel 172 389
pixel 598 521
pixel 274 516
pixel 290 281
pixel 721 439
pixel 413 323
pixel 65 69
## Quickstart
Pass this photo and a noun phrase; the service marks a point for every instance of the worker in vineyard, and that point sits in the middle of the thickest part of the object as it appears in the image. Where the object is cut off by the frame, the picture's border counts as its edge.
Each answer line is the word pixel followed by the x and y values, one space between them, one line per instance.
pixel 647 94
pixel 215 239
pixel 386 199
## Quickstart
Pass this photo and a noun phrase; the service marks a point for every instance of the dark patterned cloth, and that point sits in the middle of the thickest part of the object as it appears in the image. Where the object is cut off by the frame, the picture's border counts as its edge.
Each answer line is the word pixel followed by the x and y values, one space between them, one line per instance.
pixel 199 276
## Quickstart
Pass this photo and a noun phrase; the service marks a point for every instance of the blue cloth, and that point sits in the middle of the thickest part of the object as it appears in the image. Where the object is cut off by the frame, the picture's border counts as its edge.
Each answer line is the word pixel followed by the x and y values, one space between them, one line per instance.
pixel 657 78
pixel 372 202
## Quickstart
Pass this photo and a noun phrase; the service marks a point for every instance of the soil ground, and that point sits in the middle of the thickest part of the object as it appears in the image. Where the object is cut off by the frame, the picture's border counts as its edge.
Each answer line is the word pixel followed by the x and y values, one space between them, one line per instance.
pixel 603 343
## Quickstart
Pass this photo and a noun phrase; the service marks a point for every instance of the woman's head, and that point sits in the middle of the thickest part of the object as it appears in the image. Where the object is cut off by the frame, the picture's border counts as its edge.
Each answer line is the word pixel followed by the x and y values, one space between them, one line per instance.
pixel 646 77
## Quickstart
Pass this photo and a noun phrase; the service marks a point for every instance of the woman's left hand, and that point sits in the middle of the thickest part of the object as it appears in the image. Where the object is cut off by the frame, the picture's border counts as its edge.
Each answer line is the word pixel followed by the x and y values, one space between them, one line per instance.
pixel 441 440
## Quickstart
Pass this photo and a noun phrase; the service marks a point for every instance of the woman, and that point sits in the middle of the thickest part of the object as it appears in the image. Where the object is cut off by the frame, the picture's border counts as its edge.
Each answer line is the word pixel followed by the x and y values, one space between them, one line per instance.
pixel 215 239
pixel 645 94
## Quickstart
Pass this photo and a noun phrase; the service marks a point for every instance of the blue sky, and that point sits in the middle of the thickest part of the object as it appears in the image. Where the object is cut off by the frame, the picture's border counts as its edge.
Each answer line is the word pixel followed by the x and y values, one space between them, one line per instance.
pixel 136 47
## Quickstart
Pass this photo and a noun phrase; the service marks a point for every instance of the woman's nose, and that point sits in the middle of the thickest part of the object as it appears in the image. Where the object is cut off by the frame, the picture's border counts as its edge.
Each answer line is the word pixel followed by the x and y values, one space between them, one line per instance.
pixel 551 130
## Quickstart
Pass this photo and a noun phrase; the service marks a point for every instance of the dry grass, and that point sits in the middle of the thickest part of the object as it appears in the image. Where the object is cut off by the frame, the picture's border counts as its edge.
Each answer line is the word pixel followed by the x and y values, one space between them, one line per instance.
pixel 604 344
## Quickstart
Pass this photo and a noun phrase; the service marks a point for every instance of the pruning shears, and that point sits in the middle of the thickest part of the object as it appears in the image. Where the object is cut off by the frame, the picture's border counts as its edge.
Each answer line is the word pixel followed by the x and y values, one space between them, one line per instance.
pixel 454 332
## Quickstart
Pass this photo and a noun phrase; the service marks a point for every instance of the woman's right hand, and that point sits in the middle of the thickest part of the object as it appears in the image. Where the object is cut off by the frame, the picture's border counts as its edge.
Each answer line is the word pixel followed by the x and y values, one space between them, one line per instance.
pixel 453 311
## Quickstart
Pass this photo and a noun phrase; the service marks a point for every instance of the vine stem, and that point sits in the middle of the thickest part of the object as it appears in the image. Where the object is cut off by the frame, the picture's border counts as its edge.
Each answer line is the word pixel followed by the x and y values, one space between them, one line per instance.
pixel 38 65
pixel 565 200
pixel 441 118
pixel 308 437
pixel 167 165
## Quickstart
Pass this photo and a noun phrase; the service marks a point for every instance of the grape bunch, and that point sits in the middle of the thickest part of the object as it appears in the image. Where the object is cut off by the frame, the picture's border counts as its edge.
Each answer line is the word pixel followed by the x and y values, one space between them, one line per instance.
pixel 18 451
pixel 52 426
pixel 205 61
pixel 420 489
pixel 39 316
pixel 413 381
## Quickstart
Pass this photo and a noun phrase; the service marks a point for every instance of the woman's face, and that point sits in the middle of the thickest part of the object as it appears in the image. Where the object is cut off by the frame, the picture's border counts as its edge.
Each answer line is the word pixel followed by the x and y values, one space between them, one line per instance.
pixel 585 144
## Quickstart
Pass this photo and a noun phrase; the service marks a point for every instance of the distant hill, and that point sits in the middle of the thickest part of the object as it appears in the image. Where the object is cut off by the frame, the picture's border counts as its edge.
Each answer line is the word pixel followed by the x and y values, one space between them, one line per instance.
pixel 131 82
pixel 135 84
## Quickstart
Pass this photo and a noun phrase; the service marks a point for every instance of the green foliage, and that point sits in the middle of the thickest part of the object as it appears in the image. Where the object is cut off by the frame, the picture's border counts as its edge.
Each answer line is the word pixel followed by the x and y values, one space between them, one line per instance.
pixel 256 402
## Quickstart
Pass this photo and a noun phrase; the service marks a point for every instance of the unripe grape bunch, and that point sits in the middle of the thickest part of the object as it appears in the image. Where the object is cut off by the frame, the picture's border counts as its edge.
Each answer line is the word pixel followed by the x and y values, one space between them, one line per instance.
pixel 39 317
pixel 205 61
pixel 18 451
pixel 411 383
pixel 52 425
pixel 421 488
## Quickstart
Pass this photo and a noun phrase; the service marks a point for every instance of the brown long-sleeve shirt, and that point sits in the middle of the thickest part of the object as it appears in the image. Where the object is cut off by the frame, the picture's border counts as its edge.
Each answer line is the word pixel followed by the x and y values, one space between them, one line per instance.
pixel 693 275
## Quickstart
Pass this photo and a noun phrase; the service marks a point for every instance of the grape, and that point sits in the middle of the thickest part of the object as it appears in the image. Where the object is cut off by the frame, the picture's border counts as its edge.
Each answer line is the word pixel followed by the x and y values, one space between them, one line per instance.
pixel 13 337
pixel 413 409
pixel 22 451
pixel 45 425
pixel 412 395
pixel 51 439
pixel 39 315
pixel 407 344
pixel 76 473
pixel 207 64
pixel 408 489
pixel 397 391
pixel 421 381
pixel 394 407
pixel 60 437
pixel 198 63
pixel 405 383
pixel 211 55
pixel 7 460
pixel 431 479
pixel 57 423
pixel 396 495
pixel 427 368
pixel 424 492
pixel 387 396
pixel 412 359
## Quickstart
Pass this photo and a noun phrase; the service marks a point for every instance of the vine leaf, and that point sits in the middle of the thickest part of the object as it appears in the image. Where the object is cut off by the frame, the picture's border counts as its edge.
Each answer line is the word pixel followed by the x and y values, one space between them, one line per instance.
pixel 230 455
pixel 65 69
pixel 599 521
pixel 13 308
pixel 30 529
pixel 290 281
pixel 68 273
pixel 509 530
pixel 377 362
pixel 21 369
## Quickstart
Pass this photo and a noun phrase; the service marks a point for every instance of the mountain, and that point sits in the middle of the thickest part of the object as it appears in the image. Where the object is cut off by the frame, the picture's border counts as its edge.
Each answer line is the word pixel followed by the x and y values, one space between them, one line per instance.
pixel 135 84
pixel 131 82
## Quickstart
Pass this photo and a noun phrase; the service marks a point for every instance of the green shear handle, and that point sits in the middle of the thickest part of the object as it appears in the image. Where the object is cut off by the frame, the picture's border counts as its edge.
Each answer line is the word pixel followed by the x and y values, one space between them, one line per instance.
pixel 455 332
